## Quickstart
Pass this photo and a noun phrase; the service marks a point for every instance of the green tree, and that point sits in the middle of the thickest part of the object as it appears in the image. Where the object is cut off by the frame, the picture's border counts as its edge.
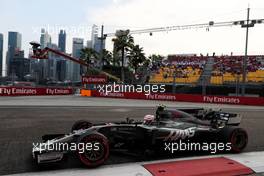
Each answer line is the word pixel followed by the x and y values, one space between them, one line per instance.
pixel 107 57
pixel 136 57
pixel 122 43
pixel 155 58
pixel 87 54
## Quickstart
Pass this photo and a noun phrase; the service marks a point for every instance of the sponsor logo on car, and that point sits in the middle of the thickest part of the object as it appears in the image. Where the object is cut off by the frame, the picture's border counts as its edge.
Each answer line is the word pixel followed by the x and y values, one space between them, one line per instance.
pixel 179 134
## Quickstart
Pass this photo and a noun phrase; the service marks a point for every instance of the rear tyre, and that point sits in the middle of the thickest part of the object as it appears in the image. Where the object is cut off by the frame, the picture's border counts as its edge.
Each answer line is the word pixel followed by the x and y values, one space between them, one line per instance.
pixel 96 149
pixel 237 137
pixel 81 124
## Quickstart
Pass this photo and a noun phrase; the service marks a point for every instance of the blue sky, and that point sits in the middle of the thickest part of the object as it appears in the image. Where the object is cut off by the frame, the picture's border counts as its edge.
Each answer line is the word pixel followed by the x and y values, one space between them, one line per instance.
pixel 28 16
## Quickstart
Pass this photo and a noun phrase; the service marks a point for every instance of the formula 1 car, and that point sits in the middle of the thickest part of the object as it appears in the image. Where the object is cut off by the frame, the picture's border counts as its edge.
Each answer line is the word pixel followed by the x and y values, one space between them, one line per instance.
pixel 92 143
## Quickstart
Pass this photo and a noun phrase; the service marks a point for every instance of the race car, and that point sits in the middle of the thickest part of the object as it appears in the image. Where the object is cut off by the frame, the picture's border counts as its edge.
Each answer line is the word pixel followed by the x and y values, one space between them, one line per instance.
pixel 155 134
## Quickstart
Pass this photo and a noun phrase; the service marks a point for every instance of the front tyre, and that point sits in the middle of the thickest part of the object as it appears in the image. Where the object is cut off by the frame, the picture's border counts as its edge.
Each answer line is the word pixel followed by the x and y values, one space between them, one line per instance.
pixel 96 149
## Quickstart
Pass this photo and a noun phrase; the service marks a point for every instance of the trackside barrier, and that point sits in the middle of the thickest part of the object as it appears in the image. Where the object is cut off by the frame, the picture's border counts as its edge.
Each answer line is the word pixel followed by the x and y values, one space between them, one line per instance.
pixel 31 91
pixel 86 93
pixel 184 97
pixel 220 165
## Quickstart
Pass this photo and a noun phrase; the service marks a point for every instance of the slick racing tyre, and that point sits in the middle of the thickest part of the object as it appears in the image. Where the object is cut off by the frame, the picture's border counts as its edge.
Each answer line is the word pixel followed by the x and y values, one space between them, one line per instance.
pixel 96 149
pixel 237 137
pixel 81 124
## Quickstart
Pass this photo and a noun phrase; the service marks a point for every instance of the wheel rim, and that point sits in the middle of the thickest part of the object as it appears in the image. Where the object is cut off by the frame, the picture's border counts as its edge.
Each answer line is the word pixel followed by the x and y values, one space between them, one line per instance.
pixel 93 158
pixel 95 155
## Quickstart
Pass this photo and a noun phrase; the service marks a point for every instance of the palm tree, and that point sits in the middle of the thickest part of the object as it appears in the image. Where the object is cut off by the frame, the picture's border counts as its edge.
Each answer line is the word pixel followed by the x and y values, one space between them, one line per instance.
pixel 155 58
pixel 87 54
pixel 136 57
pixel 107 57
pixel 147 62
pixel 123 42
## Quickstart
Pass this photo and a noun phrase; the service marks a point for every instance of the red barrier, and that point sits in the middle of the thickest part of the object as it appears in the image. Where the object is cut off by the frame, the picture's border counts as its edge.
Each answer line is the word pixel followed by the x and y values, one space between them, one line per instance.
pixel 31 91
pixel 185 98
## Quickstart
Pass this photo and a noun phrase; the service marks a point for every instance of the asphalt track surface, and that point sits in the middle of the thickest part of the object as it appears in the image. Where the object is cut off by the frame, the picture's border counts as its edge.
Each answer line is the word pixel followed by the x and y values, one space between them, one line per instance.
pixel 24 120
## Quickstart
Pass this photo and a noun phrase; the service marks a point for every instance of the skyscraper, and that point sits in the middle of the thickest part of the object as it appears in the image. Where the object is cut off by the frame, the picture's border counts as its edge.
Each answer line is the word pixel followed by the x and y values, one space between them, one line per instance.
pixel 96 43
pixel 61 69
pixel 1 52
pixel 73 69
pixel 14 46
pixel 51 67
pixel 45 38
pixel 20 66
pixel 77 46
pixel 94 36
pixel 62 63
pixel 89 44
pixel 62 41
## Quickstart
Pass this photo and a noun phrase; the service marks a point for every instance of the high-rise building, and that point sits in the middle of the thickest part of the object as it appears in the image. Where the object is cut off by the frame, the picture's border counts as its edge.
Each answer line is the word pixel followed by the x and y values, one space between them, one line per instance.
pixel 61 69
pixel 45 38
pixel 62 63
pixel 14 46
pixel 77 46
pixel 49 66
pixel 62 41
pixel 35 69
pixel 96 43
pixel 89 44
pixel 1 52
pixel 94 36
pixel 20 67
pixel 73 69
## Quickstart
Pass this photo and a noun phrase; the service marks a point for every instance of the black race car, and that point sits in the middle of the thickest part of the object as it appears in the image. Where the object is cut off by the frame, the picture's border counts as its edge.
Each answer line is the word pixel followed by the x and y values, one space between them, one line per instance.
pixel 154 135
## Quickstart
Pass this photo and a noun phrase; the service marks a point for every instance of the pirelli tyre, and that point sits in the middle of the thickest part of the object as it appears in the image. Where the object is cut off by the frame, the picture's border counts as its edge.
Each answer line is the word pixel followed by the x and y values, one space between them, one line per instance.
pixel 81 124
pixel 95 149
pixel 236 137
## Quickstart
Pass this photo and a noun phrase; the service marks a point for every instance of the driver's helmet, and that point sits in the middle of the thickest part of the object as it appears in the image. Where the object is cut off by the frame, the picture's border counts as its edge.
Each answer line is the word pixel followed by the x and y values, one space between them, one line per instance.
pixel 148 119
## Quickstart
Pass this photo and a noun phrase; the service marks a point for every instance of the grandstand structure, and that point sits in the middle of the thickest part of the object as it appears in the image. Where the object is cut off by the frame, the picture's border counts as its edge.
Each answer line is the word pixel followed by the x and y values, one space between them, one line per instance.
pixel 209 70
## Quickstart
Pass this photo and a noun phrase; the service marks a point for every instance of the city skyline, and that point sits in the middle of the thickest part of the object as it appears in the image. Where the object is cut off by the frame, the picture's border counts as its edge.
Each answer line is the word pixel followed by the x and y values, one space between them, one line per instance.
pixel 45 39
pixel 78 17
pixel 55 68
